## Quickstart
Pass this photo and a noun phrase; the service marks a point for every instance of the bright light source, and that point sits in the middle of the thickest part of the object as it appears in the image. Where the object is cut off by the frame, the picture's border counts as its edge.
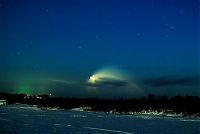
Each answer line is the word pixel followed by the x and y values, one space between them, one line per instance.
pixel 92 79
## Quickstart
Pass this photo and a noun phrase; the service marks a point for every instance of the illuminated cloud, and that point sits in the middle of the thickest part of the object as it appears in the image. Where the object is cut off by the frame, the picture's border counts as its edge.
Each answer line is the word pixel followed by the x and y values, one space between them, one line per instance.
pixel 61 81
pixel 112 81
pixel 107 74
pixel 172 81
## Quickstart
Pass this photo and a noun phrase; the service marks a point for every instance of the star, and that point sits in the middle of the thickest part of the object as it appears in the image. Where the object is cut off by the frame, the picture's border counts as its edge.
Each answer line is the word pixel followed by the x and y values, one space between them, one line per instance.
pixel 172 27
pixel 81 24
pixel 80 47
pixel 138 34
pixel 36 18
pixel 46 10
pixel 181 12
pixel 97 36
pixel 18 53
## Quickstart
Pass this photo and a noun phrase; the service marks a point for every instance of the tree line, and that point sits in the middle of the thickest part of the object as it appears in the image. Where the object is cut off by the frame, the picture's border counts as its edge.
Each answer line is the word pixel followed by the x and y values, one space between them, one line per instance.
pixel 187 105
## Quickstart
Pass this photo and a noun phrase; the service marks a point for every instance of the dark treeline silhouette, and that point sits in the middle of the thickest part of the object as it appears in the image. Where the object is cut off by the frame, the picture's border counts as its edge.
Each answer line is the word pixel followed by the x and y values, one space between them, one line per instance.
pixel 187 105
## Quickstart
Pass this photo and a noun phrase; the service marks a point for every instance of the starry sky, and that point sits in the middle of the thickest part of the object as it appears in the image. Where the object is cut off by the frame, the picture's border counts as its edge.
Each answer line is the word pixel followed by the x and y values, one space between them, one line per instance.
pixel 99 48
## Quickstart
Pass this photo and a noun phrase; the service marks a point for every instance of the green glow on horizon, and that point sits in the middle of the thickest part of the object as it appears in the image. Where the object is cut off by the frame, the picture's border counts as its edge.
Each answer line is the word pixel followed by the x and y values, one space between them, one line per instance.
pixel 24 89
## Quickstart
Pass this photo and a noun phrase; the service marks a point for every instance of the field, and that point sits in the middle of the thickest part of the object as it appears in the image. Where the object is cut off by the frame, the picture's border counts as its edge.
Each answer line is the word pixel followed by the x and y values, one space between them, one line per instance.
pixel 30 119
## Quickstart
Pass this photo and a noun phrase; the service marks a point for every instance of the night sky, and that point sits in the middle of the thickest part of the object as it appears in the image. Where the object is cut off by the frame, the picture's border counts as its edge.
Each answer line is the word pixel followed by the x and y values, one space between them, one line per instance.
pixel 99 48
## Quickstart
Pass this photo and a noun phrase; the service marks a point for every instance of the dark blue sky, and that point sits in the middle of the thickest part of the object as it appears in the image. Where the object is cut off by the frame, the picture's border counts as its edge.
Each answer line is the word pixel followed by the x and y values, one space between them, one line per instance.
pixel 55 46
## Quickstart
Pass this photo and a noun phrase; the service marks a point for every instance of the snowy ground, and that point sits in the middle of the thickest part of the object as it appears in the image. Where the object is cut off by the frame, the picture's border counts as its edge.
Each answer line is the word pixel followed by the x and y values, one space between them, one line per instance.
pixel 30 119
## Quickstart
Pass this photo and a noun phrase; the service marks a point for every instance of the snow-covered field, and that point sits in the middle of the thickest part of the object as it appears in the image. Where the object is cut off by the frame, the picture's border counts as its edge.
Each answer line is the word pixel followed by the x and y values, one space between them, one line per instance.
pixel 30 119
